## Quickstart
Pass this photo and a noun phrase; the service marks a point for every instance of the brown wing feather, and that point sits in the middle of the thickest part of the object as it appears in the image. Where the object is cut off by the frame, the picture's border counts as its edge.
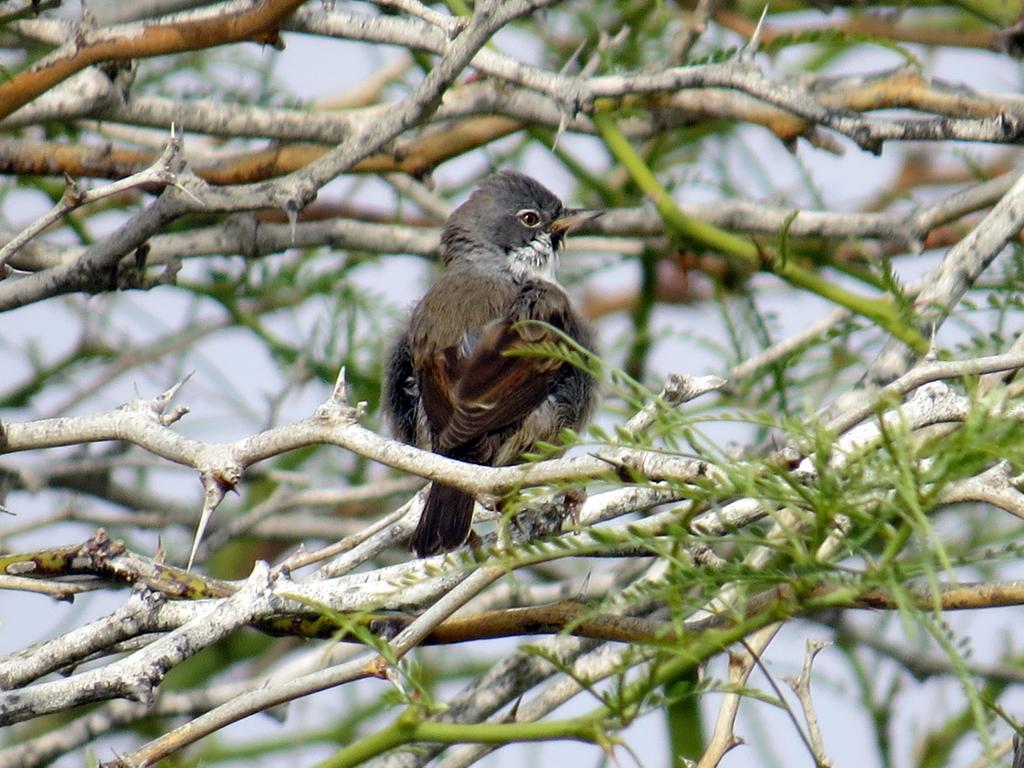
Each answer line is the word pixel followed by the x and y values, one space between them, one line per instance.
pixel 499 392
pixel 437 376
pixel 497 387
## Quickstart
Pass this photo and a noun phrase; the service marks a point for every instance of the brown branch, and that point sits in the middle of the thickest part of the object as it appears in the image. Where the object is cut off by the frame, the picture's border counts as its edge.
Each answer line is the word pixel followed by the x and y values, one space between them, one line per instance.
pixel 907 89
pixel 903 88
pixel 109 560
pixel 52 158
pixel 581 620
pixel 417 157
pixel 260 24
pixel 873 26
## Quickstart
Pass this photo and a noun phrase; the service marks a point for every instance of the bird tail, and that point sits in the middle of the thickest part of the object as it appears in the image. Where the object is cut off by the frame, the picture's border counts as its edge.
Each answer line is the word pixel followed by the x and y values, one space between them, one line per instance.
pixel 445 522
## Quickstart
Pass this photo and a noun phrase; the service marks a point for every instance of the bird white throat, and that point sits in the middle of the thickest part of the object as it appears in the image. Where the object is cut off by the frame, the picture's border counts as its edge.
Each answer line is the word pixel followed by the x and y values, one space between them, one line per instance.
pixel 538 258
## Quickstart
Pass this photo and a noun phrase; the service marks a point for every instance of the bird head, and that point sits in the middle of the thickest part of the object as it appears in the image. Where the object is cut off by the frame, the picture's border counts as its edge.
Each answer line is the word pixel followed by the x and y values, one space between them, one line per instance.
pixel 513 221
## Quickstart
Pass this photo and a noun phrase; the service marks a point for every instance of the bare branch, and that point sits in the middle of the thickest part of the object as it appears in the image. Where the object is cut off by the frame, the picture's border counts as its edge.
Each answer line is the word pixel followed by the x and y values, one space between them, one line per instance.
pixel 802 687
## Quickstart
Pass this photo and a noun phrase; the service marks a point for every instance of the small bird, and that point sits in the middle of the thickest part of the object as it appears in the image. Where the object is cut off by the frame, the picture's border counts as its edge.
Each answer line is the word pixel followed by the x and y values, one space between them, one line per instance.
pixel 454 383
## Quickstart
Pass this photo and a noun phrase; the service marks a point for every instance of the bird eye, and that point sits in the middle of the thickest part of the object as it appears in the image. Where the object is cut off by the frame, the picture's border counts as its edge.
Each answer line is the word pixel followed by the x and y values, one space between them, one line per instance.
pixel 529 217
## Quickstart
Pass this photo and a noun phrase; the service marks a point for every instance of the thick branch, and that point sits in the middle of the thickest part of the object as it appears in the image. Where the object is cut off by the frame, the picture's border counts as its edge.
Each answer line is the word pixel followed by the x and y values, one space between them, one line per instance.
pixel 259 24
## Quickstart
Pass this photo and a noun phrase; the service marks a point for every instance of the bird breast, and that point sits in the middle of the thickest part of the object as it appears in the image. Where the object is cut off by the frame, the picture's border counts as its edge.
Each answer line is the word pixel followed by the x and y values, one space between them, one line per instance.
pixel 464 299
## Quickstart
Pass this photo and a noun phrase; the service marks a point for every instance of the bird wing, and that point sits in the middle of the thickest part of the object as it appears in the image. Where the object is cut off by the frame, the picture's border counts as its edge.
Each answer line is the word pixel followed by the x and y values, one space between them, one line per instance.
pixel 495 387
pixel 438 374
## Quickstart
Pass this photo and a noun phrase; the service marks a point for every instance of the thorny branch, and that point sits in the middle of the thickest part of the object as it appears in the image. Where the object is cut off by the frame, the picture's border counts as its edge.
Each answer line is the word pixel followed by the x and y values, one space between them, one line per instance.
pixel 930 408
pixel 86 81
pixel 568 100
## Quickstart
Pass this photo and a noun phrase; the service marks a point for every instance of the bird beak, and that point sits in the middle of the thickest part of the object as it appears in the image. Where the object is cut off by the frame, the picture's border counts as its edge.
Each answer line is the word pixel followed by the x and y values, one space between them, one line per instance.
pixel 571 219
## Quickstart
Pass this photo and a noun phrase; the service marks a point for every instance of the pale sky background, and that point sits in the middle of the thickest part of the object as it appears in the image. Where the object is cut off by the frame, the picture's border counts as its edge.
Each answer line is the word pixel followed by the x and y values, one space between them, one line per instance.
pixel 316 68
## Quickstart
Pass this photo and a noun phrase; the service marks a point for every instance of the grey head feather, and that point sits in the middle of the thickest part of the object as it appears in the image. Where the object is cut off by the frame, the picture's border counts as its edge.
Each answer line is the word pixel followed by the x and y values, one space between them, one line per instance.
pixel 494 225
